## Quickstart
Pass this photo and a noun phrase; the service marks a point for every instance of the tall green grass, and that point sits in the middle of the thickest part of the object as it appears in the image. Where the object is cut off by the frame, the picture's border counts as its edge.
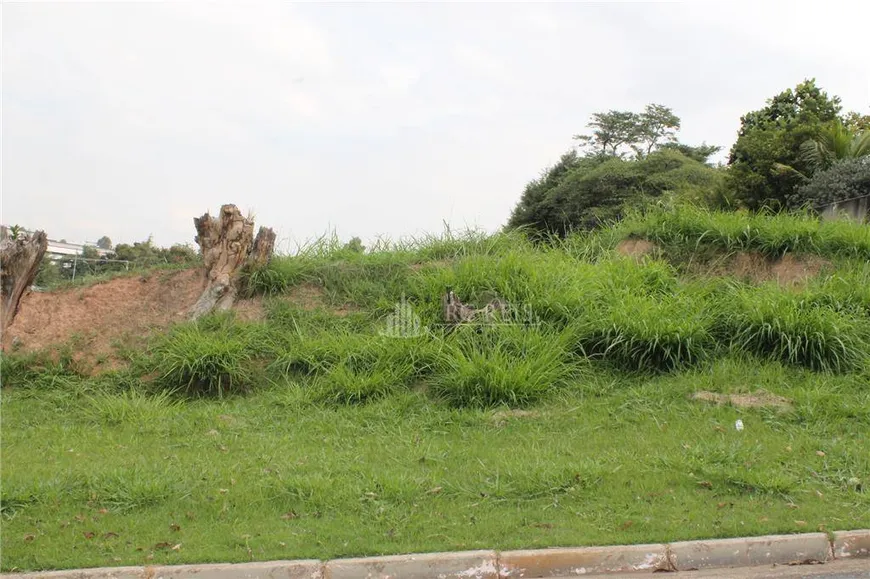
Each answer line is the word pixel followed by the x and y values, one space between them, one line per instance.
pixel 569 300
pixel 636 316
pixel 636 332
pixel 503 365
pixel 214 356
pixel 770 234
pixel 792 328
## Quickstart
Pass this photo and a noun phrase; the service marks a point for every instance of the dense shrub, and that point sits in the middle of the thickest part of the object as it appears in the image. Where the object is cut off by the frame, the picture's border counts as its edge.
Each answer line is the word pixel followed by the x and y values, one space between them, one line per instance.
pixel 585 193
pixel 847 179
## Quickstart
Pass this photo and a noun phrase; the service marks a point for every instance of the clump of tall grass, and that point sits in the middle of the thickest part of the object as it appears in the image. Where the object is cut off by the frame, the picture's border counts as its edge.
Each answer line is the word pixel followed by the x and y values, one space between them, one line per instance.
pixel 211 357
pixel 658 333
pixel 318 354
pixel 770 234
pixel 48 368
pixel 786 326
pixel 342 363
pixel 346 384
pixel 130 406
pixel 502 365
pixel 363 277
pixel 589 246
pixel 846 290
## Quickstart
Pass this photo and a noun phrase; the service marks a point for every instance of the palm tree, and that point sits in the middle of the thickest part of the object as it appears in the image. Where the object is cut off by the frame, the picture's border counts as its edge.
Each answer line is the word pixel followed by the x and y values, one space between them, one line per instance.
pixel 836 143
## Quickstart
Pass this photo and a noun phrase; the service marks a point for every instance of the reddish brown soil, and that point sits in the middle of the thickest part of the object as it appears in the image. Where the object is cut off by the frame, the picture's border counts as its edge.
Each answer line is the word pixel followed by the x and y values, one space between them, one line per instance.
pixel 104 318
pixel 788 270
pixel 755 267
pixel 635 247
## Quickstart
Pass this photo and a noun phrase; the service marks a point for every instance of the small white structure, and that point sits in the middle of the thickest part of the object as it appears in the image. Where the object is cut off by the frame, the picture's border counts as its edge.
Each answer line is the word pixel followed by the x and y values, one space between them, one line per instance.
pixel 58 249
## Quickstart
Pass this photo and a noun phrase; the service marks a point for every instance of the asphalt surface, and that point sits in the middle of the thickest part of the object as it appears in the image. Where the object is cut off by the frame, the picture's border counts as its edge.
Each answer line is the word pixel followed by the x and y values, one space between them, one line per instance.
pixel 844 569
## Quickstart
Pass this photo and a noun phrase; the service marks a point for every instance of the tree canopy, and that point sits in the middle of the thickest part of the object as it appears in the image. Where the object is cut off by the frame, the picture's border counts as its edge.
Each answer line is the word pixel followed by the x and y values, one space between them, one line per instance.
pixel 583 192
pixel 627 159
pixel 617 132
pixel 772 157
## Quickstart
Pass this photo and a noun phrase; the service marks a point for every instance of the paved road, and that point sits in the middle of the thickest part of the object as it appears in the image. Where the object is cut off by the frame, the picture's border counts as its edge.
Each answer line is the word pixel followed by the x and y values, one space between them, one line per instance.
pixel 857 569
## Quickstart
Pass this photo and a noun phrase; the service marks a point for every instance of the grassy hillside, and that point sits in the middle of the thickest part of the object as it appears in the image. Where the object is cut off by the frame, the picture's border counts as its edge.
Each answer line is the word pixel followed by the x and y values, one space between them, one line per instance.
pixel 352 421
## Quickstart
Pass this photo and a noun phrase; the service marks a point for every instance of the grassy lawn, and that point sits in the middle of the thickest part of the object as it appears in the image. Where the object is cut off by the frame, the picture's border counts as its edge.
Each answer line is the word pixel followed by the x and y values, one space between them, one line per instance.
pixel 95 478
pixel 311 434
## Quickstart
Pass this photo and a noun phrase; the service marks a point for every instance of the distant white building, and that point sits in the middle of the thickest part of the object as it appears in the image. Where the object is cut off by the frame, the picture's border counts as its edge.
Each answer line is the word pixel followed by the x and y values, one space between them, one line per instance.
pixel 58 249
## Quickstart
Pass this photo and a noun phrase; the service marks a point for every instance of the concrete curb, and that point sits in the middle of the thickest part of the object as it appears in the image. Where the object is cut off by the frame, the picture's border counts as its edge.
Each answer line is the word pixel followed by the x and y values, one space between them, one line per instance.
pixel 636 559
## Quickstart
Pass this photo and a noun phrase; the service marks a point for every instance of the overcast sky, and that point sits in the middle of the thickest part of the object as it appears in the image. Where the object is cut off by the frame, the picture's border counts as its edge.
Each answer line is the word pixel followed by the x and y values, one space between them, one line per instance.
pixel 129 119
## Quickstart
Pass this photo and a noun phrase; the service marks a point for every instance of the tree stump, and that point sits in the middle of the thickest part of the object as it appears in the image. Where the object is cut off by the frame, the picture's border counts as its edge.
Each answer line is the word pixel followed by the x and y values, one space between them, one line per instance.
pixel 228 246
pixel 20 259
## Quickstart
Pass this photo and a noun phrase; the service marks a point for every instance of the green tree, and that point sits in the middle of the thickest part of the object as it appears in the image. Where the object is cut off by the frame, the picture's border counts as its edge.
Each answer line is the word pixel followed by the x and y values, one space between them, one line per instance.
pixel 104 242
pixel 765 164
pixel 610 131
pixel 354 245
pixel 179 254
pixel 90 252
pixel 836 142
pixel 857 122
pixel 700 153
pixel 615 133
pixel 657 123
pixel 581 193
pixel 49 273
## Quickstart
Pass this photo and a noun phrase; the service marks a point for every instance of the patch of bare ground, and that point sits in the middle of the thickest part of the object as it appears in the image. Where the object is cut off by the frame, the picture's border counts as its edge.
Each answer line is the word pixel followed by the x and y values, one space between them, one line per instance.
pixel 635 247
pixel 758 399
pixel 309 296
pixel 104 320
pixel 789 270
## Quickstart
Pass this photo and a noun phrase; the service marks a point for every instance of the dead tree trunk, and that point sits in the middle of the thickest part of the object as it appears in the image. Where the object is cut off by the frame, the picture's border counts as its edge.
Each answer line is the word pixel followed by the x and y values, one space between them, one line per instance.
pixel 228 245
pixel 20 259
pixel 264 245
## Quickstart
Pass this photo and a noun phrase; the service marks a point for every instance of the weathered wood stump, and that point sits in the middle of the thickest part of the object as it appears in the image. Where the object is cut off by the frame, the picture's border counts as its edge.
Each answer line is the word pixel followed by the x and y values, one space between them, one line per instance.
pixel 455 312
pixel 228 246
pixel 20 258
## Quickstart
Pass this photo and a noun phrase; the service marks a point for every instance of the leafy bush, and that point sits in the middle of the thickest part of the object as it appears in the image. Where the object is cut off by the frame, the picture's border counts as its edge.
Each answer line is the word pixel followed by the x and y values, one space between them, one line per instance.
pixel 847 179
pixel 584 193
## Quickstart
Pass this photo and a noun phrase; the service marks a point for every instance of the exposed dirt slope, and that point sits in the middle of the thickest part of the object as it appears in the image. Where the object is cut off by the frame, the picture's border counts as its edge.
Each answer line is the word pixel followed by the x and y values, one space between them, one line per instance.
pixel 789 269
pixel 109 315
